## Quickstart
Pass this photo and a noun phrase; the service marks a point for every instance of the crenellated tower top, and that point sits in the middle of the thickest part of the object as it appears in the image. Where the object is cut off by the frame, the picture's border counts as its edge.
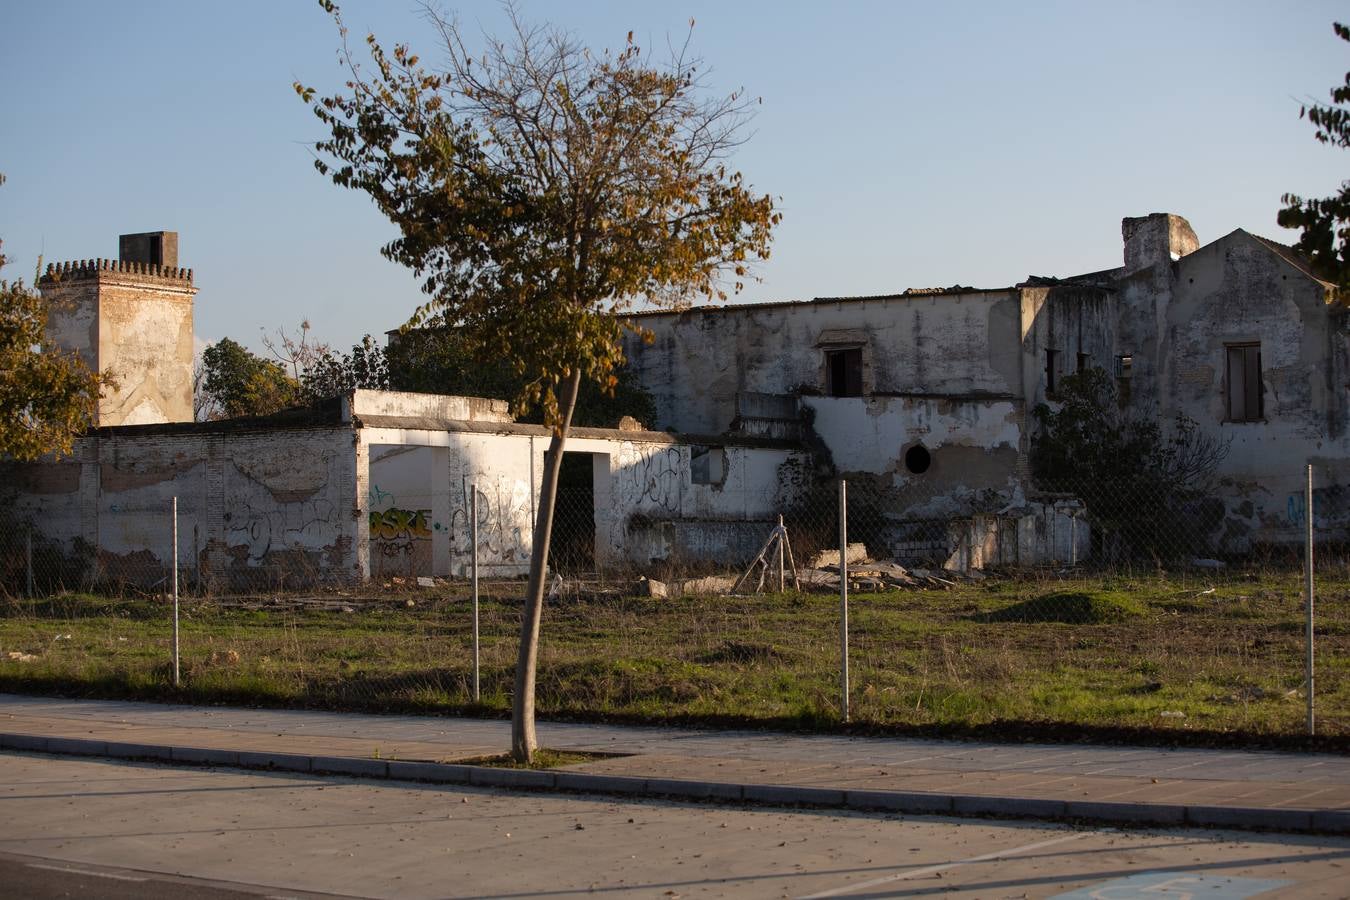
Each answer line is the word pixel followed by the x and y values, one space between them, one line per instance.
pixel 93 268
pixel 132 317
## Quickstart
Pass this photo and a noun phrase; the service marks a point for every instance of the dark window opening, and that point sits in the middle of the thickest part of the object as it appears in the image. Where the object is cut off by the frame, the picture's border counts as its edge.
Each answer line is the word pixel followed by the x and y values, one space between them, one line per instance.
pixel 1244 387
pixel 572 548
pixel 843 372
pixel 707 465
pixel 1084 363
pixel 918 459
pixel 1050 372
pixel 1124 371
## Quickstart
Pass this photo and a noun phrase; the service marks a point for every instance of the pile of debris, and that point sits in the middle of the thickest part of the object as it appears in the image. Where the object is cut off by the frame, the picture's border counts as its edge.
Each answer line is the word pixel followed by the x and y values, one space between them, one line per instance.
pixel 866 574
pixel 819 575
pixel 872 577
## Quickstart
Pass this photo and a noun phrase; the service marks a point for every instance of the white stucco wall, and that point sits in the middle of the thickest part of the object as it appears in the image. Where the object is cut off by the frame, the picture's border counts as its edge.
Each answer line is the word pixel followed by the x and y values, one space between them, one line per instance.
pixel 255 506
pixel 952 344
pixel 645 505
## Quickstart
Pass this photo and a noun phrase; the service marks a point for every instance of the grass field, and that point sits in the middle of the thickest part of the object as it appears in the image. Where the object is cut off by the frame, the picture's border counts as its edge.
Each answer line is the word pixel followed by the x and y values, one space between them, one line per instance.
pixel 1181 659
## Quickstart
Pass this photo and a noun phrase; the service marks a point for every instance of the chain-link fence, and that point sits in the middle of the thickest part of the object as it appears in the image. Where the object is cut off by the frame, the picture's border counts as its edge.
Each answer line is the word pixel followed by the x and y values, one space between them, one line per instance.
pixel 1115 608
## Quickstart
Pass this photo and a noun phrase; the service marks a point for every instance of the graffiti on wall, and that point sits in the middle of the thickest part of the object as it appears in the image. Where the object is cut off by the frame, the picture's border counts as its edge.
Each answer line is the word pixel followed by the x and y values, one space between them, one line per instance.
pixel 504 525
pixel 395 532
pixel 400 536
pixel 262 525
pixel 1331 507
pixel 649 478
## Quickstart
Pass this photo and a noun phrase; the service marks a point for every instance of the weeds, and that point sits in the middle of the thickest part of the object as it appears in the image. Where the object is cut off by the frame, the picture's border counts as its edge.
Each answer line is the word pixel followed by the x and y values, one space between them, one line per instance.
pixel 1144 655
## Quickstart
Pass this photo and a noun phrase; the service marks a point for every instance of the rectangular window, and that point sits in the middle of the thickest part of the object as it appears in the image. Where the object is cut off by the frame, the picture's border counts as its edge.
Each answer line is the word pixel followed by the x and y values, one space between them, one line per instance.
pixel 707 465
pixel 1084 363
pixel 1124 371
pixel 843 372
pixel 1050 372
pixel 1243 373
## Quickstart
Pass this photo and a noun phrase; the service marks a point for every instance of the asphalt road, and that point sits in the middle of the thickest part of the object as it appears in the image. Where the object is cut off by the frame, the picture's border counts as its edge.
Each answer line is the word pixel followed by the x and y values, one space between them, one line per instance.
pixel 73 827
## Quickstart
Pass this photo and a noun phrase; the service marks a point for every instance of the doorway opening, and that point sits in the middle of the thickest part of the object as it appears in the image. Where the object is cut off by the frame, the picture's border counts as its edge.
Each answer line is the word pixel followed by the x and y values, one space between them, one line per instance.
pixel 572 548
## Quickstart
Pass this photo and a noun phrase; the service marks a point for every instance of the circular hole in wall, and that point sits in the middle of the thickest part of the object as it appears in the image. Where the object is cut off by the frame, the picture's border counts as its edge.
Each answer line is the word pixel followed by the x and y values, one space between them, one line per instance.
pixel 918 459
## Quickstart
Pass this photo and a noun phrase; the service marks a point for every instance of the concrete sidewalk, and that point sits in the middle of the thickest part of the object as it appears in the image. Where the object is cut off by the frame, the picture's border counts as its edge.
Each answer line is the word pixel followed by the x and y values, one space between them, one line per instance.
pixel 1277 790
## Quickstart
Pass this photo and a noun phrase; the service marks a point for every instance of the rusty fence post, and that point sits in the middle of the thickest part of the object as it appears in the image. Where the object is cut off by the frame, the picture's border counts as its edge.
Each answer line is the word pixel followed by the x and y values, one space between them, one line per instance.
pixel 1308 596
pixel 843 599
pixel 174 515
pixel 473 540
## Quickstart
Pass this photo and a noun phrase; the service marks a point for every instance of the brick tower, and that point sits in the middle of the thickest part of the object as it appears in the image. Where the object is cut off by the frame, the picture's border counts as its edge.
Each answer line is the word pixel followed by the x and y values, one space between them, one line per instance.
pixel 131 316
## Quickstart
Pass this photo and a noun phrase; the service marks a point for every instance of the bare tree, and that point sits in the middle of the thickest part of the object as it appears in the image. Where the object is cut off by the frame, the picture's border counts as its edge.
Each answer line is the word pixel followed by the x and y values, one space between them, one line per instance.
pixel 298 353
pixel 205 406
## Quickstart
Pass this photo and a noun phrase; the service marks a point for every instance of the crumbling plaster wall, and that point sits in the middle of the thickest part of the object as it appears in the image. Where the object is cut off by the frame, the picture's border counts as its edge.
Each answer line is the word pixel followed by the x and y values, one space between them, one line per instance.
pixel 658 513
pixel 254 507
pixel 413 406
pixel 145 339
pixel 1070 320
pixel 408 510
pixel 973 445
pixel 952 344
pixel 1236 290
pixel 645 504
pixel 137 325
pixel 505 470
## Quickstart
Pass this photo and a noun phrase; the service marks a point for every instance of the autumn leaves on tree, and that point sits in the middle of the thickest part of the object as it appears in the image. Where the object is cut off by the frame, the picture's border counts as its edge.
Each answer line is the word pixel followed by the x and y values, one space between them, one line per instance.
pixel 48 395
pixel 540 190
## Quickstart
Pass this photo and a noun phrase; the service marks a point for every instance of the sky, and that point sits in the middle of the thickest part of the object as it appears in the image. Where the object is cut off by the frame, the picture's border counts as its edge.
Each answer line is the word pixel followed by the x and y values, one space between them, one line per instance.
pixel 910 144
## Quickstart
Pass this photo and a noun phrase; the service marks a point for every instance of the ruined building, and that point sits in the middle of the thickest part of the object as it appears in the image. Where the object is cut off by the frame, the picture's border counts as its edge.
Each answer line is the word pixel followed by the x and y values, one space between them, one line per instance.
pixel 131 316
pixel 372 484
pixel 927 395
pixel 922 399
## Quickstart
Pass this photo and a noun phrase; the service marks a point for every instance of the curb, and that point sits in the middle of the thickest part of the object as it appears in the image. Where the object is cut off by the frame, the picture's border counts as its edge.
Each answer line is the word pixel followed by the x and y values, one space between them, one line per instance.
pixel 1319 821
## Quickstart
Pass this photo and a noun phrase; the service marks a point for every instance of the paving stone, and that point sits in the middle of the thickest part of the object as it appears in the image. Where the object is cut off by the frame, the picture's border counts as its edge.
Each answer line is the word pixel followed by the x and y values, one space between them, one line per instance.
pixel 509 778
pixel 205 756
pixel 124 750
pixel 1331 821
pixel 1104 783
pixel 77 746
pixel 1031 807
pixel 899 801
pixel 429 771
pixel 792 795
pixel 286 762
pixel 605 784
pixel 1106 811
pixel 1249 817
pixel 23 742
pixel 351 765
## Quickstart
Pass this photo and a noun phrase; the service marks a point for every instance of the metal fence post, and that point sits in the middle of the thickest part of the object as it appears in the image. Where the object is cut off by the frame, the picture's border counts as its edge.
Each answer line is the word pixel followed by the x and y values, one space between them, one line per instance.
pixel 473 540
pixel 782 570
pixel 174 511
pixel 28 561
pixel 843 598
pixel 1308 594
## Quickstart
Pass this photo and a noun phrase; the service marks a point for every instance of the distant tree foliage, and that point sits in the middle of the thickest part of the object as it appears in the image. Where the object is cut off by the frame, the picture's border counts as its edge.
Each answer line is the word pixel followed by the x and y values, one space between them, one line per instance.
pixel 48 396
pixel 332 374
pixel 241 383
pixel 1326 222
pixel 1134 476
pixel 440 361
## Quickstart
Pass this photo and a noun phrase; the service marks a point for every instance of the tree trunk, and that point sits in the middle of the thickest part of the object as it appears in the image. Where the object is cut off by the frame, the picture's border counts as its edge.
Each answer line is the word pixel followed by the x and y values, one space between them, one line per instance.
pixel 523 740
